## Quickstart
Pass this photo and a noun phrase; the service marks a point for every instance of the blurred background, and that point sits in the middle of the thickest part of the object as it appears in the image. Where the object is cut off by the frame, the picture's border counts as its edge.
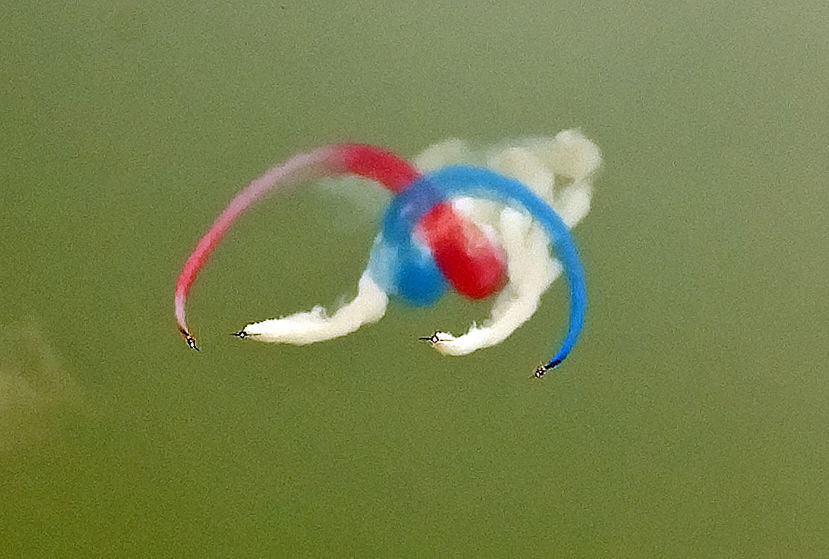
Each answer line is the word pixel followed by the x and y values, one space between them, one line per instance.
pixel 691 420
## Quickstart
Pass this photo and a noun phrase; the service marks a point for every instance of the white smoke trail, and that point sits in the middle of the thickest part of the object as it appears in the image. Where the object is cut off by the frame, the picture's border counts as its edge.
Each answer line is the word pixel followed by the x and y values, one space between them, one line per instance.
pixel 537 162
pixel 569 158
pixel 315 325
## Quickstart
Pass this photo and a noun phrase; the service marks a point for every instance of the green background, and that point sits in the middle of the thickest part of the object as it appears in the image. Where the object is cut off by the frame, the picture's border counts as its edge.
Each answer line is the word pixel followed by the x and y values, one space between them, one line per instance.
pixel 691 421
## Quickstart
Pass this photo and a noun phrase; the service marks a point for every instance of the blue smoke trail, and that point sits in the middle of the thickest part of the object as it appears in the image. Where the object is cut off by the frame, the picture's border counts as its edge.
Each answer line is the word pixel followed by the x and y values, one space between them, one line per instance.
pixel 404 267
